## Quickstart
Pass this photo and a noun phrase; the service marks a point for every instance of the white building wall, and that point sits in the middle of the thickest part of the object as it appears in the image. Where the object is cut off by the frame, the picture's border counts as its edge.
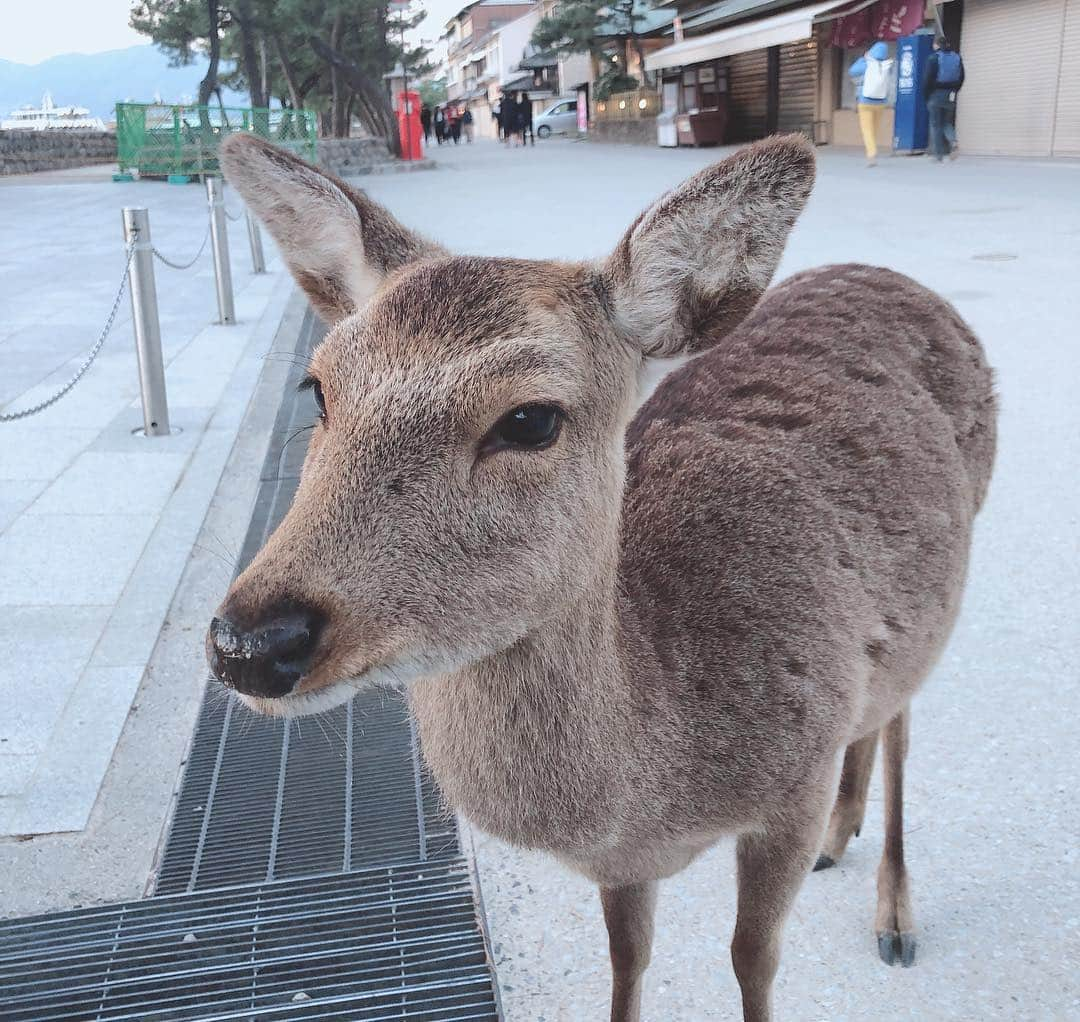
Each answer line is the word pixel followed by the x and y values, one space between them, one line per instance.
pixel 574 70
pixel 513 37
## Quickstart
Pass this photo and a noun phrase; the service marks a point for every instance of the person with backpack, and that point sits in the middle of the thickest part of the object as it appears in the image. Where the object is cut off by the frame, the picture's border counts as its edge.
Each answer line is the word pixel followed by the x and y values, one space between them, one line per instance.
pixel 943 77
pixel 873 72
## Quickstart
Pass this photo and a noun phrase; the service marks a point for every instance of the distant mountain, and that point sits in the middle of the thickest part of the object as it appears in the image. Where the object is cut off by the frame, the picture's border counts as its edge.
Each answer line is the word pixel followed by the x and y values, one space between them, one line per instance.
pixel 99 80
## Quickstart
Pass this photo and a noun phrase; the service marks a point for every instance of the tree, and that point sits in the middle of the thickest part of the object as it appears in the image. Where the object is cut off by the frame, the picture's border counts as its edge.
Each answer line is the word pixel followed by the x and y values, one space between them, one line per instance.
pixel 571 27
pixel 251 42
pixel 182 29
pixel 361 50
pixel 432 91
pixel 329 56
pixel 587 26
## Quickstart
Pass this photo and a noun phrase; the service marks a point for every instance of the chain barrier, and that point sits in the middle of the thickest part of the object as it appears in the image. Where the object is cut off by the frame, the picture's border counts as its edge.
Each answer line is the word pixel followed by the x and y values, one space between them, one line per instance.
pixel 231 216
pixel 192 262
pixel 93 354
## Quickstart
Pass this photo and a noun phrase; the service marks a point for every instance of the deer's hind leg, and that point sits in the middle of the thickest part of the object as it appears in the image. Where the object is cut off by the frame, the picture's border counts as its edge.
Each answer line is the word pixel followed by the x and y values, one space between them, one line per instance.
pixel 847 814
pixel 894 923
pixel 629 913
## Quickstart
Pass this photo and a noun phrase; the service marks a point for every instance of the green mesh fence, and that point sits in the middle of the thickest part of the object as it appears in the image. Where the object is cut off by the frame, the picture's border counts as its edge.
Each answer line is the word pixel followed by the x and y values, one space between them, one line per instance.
pixel 162 141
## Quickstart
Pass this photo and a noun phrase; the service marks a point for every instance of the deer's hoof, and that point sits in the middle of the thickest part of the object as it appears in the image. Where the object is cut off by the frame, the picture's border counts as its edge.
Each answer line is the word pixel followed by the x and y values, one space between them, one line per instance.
pixel 896 947
pixel 823 862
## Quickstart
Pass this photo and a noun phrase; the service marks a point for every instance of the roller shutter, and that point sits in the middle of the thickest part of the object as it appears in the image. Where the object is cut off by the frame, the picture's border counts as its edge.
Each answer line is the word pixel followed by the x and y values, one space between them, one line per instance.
pixel 1067 108
pixel 1012 59
pixel 798 87
pixel 748 95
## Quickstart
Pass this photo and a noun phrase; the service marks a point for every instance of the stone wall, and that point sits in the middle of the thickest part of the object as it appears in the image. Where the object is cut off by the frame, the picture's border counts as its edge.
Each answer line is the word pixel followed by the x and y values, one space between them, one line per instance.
pixel 637 132
pixel 348 157
pixel 23 152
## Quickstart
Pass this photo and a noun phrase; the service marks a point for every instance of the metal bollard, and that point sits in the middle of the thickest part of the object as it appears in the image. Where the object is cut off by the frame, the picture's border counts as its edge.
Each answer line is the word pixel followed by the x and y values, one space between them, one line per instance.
pixel 144 315
pixel 258 262
pixel 219 238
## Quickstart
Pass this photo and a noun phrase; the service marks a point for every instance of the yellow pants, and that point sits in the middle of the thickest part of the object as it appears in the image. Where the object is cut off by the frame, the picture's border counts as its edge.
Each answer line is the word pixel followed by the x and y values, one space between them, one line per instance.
pixel 870 115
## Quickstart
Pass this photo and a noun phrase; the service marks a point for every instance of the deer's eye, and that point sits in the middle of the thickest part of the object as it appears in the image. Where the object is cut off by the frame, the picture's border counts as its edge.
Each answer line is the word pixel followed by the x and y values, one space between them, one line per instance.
pixel 530 427
pixel 310 383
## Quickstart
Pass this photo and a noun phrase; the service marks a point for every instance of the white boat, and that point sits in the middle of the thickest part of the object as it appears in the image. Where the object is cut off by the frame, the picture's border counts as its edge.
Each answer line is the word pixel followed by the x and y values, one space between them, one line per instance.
pixel 49 117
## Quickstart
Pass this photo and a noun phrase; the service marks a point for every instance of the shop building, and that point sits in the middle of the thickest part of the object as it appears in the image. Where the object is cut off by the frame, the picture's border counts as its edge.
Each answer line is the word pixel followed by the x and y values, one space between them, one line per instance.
pixel 1021 96
pixel 736 70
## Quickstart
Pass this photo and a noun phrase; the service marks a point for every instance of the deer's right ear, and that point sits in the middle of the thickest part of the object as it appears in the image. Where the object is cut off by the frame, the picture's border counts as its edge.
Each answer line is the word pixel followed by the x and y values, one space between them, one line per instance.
pixel 337 242
pixel 694 264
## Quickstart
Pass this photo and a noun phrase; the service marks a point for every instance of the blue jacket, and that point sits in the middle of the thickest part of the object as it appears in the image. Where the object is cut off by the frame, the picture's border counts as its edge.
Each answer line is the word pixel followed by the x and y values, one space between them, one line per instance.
pixel 879 51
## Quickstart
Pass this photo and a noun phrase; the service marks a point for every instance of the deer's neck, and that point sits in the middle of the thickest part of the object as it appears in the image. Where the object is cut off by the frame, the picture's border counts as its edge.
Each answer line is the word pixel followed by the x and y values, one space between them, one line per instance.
pixel 532 743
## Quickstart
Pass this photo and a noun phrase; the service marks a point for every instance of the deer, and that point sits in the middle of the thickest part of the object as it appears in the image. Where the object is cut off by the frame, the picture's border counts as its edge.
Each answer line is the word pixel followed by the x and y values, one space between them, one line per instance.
pixel 659 556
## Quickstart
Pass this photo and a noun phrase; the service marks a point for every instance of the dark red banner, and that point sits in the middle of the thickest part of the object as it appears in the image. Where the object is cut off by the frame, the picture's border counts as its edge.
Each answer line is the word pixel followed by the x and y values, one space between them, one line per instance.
pixel 886 19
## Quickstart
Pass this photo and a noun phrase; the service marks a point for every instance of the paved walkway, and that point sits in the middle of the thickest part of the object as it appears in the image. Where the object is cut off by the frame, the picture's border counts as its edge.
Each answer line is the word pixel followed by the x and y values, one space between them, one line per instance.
pixel 993 826
pixel 97 523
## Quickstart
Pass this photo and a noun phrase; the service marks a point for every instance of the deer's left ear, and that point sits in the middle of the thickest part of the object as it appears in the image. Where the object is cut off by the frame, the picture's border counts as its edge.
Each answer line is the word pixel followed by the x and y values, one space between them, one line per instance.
pixel 338 243
pixel 694 264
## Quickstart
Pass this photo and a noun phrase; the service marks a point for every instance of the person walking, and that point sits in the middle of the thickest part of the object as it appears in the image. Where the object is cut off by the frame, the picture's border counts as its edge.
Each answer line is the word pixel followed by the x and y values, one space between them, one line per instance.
pixel 453 117
pixel 943 78
pixel 507 117
pixel 525 118
pixel 873 72
pixel 467 123
pixel 440 125
pixel 425 122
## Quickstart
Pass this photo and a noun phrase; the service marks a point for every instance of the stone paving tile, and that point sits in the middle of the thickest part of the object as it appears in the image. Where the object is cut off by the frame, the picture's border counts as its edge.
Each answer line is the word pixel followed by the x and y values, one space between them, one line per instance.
pixel 63 560
pixel 99 483
pixel 62 791
pixel 15 773
pixel 19 380
pixel 94 402
pixel 133 627
pixel 43 650
pixel 30 451
pixel 34 695
pixel 40 634
pixel 15 496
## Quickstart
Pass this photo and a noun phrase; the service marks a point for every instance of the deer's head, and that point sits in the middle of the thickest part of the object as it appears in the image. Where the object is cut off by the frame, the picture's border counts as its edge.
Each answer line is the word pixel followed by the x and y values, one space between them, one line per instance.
pixel 463 483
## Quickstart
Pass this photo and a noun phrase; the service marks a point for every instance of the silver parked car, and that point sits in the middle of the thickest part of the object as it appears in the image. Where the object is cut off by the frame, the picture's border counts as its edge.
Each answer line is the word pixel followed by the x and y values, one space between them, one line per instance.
pixel 558 118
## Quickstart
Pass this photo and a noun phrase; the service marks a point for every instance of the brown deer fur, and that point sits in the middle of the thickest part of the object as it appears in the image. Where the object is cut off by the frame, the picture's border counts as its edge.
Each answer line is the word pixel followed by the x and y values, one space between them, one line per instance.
pixel 667 626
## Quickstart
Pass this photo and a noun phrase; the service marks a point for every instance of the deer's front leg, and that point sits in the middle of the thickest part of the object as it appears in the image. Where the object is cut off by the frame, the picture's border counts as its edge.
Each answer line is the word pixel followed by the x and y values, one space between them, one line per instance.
pixel 772 865
pixel 628 912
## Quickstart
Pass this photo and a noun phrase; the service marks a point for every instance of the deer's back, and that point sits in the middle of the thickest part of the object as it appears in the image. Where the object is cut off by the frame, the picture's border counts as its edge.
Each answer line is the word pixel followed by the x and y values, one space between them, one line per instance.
pixel 798 515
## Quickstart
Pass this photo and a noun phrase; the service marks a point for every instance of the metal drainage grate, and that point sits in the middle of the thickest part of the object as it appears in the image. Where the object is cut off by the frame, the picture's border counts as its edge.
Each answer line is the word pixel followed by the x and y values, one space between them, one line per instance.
pixel 262 800
pixel 399 943
pixel 264 909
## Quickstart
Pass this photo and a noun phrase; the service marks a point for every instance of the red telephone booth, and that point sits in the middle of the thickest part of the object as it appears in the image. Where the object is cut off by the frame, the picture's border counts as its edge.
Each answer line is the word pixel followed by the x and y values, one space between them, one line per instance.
pixel 408 113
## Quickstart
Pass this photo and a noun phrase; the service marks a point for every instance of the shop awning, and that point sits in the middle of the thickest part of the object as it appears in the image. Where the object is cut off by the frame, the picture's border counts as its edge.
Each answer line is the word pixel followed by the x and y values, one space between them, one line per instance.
pixel 788 27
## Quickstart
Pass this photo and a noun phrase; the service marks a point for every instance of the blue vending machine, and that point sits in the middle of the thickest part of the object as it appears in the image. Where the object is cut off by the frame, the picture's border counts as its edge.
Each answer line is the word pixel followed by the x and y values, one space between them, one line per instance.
pixel 911 122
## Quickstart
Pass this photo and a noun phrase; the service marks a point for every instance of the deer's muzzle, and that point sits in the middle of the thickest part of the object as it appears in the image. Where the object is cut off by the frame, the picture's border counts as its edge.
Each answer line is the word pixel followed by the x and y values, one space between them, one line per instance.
pixel 269 657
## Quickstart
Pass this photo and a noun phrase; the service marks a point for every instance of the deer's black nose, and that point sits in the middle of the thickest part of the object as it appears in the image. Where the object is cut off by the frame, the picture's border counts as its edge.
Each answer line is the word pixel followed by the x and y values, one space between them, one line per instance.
pixel 269 658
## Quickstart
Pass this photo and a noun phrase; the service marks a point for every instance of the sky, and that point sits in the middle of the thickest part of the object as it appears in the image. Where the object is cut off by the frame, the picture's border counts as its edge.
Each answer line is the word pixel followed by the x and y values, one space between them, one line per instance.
pixel 91 26
pixel 71 26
